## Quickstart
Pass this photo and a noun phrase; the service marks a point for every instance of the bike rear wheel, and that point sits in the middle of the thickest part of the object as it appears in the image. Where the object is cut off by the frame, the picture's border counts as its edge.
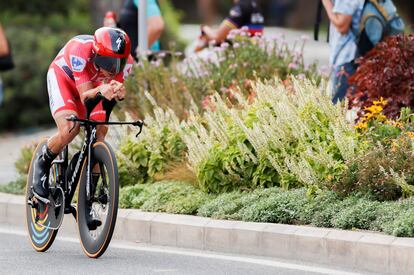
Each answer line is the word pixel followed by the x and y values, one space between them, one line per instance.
pixel 104 201
pixel 40 237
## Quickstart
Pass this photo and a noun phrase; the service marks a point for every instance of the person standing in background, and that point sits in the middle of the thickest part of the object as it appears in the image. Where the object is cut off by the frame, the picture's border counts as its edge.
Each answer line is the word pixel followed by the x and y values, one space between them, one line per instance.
pixel 345 17
pixel 128 21
pixel 6 62
pixel 208 11
pixel 244 13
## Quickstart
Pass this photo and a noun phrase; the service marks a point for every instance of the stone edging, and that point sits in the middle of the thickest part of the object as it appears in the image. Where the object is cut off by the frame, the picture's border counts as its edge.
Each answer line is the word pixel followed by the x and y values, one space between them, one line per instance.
pixel 362 251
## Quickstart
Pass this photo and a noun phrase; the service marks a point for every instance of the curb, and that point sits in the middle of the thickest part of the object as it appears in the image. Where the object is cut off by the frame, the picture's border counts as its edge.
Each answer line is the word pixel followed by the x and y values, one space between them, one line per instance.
pixel 362 251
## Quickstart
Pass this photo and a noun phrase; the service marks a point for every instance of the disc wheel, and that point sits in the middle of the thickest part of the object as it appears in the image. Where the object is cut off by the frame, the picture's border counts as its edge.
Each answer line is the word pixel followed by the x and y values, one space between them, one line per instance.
pixel 40 236
pixel 104 201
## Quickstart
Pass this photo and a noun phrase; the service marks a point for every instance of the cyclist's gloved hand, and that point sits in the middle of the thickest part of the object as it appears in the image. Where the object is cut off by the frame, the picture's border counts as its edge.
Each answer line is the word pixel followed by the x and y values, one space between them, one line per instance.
pixel 119 89
pixel 107 90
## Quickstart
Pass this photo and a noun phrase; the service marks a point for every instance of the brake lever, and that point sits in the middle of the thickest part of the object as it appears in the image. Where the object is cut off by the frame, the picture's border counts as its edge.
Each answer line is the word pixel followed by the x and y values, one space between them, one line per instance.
pixel 73 119
pixel 140 124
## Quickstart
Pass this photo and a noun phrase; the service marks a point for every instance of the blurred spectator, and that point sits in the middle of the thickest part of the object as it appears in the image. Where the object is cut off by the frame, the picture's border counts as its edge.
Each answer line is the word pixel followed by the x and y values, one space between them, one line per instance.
pixel 278 11
pixel 208 10
pixel 110 20
pixel 128 21
pixel 345 17
pixel 6 62
pixel 244 13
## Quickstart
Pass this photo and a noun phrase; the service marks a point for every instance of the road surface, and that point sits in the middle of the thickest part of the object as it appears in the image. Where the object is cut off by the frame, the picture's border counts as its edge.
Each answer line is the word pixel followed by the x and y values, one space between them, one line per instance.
pixel 66 257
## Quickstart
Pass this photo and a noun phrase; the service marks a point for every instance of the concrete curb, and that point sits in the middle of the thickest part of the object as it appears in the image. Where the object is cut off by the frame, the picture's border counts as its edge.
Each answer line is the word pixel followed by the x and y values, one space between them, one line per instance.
pixel 362 251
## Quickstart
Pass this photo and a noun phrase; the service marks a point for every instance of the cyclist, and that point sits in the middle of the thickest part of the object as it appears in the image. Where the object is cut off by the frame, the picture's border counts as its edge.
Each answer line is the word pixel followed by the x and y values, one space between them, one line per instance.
pixel 128 22
pixel 244 13
pixel 87 70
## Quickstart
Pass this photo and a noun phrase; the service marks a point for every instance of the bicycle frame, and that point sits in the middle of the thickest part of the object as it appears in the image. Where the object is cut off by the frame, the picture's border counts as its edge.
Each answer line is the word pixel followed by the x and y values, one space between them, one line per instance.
pixel 70 182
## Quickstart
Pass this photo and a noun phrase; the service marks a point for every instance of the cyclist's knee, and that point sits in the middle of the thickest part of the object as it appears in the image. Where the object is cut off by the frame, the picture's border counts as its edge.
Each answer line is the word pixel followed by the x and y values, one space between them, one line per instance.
pixel 67 133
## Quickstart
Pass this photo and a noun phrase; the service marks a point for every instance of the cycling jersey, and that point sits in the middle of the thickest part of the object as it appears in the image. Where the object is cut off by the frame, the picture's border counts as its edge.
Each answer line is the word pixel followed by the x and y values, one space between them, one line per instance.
pixel 72 67
pixel 128 21
pixel 246 13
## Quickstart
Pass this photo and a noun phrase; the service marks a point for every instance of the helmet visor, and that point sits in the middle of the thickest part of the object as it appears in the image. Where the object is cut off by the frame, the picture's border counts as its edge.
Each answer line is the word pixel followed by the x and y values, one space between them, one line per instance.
pixel 112 65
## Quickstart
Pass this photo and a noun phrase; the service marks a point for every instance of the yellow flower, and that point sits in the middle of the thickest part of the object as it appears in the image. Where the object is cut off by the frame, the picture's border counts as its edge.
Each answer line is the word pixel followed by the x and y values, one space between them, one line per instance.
pixel 362 125
pixel 410 134
pixel 381 102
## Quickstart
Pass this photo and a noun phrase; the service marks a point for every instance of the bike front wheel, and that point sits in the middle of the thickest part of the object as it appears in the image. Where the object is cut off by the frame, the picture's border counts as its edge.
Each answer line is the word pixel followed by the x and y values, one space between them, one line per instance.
pixel 104 200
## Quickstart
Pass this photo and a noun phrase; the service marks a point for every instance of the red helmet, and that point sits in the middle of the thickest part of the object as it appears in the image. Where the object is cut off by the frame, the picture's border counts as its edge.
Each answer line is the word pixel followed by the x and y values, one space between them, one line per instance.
pixel 112 47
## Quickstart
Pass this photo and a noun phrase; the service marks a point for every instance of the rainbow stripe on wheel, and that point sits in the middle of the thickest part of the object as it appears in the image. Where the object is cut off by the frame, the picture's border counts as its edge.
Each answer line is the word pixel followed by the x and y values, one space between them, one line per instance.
pixel 40 233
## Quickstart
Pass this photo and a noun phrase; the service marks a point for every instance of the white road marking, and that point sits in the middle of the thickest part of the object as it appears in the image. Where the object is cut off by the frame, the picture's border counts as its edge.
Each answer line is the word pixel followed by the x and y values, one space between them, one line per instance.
pixel 203 254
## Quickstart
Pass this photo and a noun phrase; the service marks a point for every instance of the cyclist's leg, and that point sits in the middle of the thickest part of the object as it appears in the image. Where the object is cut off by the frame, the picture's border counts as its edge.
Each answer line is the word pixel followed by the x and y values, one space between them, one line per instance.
pixel 63 102
pixel 67 131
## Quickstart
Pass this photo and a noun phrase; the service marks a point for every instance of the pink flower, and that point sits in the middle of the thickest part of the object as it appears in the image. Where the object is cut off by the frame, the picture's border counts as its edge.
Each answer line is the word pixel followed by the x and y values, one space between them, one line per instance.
pixel 206 102
pixel 173 79
pixel 224 45
pixel 293 66
pixel 231 36
pixel 236 45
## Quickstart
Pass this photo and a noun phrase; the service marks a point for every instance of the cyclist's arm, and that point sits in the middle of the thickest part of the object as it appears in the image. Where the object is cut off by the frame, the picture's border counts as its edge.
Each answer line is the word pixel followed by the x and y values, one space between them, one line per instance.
pixel 218 35
pixel 88 92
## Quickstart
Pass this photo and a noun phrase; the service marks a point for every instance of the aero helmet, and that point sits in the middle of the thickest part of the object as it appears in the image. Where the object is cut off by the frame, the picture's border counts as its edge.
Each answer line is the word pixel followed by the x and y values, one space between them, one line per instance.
pixel 112 47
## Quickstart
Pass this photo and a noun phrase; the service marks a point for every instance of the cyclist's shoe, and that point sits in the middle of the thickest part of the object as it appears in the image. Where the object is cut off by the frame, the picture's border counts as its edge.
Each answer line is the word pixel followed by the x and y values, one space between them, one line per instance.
pixel 41 175
pixel 40 181
pixel 91 220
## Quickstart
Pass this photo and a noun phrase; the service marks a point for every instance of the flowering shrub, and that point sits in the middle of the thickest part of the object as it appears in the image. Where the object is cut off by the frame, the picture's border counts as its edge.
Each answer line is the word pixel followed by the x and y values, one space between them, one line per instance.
pixel 179 84
pixel 289 136
pixel 383 167
pixel 387 71
pixel 386 173
pixel 140 160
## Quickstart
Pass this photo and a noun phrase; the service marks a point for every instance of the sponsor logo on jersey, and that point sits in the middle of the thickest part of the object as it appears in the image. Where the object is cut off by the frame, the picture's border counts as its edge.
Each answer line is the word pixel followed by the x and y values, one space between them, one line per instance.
pixel 77 63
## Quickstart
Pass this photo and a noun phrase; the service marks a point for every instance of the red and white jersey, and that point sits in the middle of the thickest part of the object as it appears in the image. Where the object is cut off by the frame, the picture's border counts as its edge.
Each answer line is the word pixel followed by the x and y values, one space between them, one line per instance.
pixel 73 66
pixel 75 60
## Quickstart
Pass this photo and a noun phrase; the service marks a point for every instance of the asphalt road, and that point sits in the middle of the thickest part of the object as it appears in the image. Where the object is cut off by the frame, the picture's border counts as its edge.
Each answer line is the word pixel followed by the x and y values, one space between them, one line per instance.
pixel 66 257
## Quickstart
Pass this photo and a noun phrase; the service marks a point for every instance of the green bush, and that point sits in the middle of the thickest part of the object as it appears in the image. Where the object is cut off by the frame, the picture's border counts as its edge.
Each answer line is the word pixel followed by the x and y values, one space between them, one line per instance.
pixel 290 136
pixel 35 40
pixel 170 39
pixel 404 225
pixel 170 197
pixel 359 215
pixel 318 209
pixel 282 207
pixel 174 197
pixel 385 172
pixel 142 159
pixel 133 196
pixel 16 187
pixel 222 207
pixel 22 164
